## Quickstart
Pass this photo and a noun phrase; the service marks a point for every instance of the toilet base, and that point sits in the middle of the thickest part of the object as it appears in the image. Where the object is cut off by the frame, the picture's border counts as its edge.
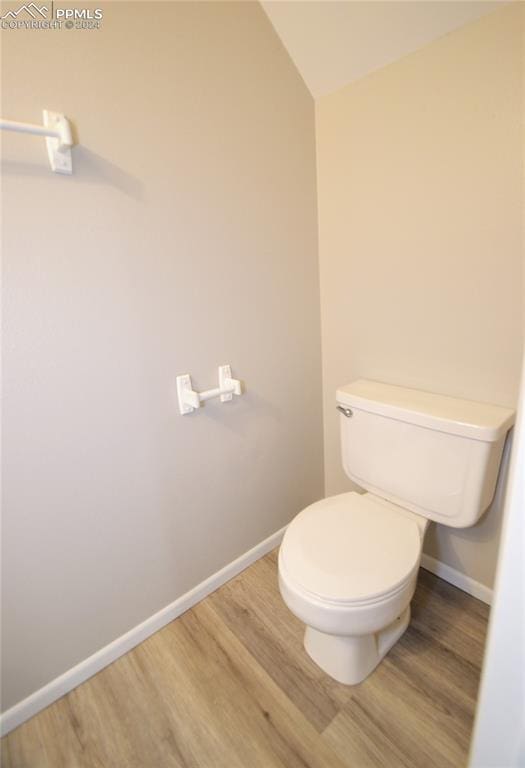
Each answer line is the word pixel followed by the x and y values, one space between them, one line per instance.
pixel 349 659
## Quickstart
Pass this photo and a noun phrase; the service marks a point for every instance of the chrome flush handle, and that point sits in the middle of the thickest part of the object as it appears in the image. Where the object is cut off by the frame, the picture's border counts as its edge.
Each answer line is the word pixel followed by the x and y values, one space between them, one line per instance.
pixel 345 411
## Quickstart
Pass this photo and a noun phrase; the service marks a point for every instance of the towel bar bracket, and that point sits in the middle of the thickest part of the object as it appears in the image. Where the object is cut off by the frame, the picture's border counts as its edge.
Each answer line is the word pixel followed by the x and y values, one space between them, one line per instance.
pixel 57 133
pixel 59 147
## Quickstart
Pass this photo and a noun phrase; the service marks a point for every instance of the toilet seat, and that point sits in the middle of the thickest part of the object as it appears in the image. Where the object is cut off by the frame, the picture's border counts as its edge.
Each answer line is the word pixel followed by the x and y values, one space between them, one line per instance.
pixel 351 550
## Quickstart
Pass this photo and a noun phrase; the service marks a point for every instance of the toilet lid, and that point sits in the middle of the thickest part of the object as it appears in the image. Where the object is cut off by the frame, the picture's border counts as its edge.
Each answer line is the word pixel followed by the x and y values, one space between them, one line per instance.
pixel 351 547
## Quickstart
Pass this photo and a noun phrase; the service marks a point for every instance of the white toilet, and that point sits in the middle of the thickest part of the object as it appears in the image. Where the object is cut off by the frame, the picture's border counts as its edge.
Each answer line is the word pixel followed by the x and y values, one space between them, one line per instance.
pixel 348 564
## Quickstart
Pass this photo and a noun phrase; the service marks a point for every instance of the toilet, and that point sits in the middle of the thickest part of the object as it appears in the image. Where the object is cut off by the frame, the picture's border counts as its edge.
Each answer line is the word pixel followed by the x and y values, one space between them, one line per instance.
pixel 348 564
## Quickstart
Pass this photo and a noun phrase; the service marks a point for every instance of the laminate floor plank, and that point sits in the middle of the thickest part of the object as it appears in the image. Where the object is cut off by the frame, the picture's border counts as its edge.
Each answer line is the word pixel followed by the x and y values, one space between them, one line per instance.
pixel 255 612
pixel 457 620
pixel 389 721
pixel 229 685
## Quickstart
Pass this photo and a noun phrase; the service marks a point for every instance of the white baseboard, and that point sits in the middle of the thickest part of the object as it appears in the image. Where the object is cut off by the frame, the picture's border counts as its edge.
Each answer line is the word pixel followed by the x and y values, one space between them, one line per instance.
pixel 58 687
pixel 458 579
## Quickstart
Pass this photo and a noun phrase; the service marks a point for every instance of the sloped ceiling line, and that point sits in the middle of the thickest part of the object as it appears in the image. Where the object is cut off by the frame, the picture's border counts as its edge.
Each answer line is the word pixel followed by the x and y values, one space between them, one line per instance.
pixel 334 43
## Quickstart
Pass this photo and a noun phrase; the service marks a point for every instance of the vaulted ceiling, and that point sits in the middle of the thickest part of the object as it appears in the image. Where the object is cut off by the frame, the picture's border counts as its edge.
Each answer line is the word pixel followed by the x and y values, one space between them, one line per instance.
pixel 334 43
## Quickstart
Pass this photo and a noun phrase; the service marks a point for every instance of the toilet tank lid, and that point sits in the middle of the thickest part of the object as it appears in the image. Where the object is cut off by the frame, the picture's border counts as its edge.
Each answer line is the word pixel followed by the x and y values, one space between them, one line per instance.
pixel 466 418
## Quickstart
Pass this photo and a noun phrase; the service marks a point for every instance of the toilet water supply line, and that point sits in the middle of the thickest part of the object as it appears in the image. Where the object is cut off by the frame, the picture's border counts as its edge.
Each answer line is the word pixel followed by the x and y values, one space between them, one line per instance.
pixel 189 399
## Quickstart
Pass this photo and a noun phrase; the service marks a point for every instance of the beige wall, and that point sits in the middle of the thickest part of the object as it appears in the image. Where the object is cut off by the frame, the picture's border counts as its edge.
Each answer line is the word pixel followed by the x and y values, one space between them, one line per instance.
pixel 186 239
pixel 421 247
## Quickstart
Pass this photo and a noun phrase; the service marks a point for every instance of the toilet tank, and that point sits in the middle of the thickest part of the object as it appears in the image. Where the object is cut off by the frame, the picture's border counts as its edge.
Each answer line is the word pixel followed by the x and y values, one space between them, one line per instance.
pixel 435 455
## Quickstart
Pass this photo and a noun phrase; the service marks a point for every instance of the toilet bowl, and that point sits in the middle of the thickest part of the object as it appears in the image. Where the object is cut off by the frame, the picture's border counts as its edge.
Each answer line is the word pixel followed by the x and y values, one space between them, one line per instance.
pixel 348 564
pixel 348 568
